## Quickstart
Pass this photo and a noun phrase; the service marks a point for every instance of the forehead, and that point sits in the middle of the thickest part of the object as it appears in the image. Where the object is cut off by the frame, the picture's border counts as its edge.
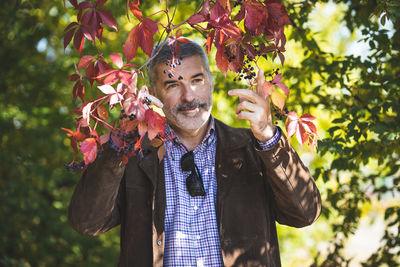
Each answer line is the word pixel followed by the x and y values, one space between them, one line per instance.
pixel 189 66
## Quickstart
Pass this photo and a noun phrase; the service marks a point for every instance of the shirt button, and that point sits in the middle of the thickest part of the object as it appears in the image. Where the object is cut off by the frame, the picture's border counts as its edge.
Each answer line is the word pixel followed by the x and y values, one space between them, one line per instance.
pixel 195 207
pixel 197 237
pixel 159 242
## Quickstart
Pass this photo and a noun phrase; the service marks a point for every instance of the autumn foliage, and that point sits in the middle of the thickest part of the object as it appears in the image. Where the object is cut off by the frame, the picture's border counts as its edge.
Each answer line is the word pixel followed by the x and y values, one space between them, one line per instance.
pixel 241 31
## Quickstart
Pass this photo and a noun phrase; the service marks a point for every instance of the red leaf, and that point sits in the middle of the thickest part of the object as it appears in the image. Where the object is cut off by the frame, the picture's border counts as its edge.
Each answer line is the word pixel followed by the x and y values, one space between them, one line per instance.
pixel 278 99
pixel 217 13
pixel 90 23
pixel 278 12
pixel 91 73
pixel 311 126
pixel 196 18
pixel 85 5
pixel 79 90
pixel 303 127
pixel 134 7
pixel 100 32
pixel 89 150
pixel 79 40
pixel 282 86
pixel 84 61
pixel 281 58
pixel 86 110
pixel 112 78
pixel 222 60
pixel 178 33
pixel 103 66
pixel 79 136
pixel 142 128
pixel 150 25
pixel 183 40
pixel 209 41
pixel 148 28
pixel 117 60
pixel 132 43
pixel 301 134
pixel 69 132
pixel 225 4
pixel 251 51
pixel 108 19
pixel 231 30
pixel 307 117
pixel 105 138
pixel 68 37
pixel 202 15
pixel 138 144
pixel 74 77
pixel 254 17
pixel 70 26
pixel 291 123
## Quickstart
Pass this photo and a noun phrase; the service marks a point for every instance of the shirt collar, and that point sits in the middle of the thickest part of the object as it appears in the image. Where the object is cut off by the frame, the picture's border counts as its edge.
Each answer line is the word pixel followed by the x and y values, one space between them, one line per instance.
pixel 170 134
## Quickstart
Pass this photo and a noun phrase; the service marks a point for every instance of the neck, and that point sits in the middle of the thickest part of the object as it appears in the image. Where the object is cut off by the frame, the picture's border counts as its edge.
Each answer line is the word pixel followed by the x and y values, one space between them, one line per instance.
pixel 191 139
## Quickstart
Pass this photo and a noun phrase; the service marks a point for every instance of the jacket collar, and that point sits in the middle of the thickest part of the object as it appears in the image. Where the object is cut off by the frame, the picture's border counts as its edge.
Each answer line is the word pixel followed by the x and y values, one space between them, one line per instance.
pixel 228 139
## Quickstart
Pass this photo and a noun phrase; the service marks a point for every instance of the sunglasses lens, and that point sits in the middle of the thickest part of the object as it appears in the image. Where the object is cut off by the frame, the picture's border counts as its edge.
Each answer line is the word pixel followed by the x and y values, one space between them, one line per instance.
pixel 187 162
pixel 194 185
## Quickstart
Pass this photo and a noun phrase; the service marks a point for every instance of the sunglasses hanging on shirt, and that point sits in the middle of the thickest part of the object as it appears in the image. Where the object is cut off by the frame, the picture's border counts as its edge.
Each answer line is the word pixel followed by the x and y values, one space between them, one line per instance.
pixel 194 183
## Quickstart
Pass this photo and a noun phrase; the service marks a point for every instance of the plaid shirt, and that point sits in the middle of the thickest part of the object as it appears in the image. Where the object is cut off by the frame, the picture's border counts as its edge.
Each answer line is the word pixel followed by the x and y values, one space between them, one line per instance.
pixel 191 230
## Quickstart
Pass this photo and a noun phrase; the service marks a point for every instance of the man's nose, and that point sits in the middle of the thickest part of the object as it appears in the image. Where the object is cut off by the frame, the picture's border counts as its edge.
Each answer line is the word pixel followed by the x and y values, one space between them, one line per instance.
pixel 188 92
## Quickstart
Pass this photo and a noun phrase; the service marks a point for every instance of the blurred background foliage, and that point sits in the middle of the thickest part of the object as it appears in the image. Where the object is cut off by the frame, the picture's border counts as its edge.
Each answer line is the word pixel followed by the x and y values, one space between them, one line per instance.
pixel 342 65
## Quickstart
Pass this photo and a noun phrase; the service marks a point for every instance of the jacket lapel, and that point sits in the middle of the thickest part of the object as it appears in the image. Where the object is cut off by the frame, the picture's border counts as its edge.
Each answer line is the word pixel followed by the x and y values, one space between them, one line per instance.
pixel 154 171
pixel 228 140
pixel 149 164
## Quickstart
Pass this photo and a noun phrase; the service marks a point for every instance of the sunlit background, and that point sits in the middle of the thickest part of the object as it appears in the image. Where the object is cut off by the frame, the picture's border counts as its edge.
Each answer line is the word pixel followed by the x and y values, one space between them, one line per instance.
pixel 342 65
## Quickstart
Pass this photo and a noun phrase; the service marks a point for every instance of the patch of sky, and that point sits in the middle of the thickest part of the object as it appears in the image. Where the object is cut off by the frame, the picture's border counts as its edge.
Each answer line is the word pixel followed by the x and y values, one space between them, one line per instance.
pixel 41 46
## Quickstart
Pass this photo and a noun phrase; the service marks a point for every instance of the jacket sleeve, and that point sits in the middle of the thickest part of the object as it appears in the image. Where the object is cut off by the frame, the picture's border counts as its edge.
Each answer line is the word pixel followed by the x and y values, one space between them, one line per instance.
pixel 94 206
pixel 297 201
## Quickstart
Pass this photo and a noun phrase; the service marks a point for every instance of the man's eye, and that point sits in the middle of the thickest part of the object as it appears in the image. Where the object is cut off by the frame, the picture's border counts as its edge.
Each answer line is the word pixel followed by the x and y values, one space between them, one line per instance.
pixel 197 80
pixel 172 85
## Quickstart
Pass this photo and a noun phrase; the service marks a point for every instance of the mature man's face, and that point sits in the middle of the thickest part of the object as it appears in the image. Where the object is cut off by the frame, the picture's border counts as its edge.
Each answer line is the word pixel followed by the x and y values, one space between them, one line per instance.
pixel 187 100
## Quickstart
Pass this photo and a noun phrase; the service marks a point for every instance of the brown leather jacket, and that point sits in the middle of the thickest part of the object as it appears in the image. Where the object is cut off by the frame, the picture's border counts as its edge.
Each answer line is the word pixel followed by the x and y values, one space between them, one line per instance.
pixel 255 189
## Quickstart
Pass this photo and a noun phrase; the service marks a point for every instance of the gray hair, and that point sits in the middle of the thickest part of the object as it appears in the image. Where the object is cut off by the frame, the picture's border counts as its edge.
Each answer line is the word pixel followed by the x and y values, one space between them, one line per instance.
pixel 186 50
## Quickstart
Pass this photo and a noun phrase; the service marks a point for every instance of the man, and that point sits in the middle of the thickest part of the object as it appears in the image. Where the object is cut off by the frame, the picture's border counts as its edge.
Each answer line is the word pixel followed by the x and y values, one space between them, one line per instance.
pixel 214 198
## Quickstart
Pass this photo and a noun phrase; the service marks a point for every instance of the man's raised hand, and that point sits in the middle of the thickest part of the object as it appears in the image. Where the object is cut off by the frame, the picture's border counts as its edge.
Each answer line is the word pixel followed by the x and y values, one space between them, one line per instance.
pixel 256 109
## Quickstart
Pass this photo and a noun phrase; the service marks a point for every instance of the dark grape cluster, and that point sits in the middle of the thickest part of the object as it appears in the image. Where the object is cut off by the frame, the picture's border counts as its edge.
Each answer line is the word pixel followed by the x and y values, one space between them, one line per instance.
pixel 246 72
pixel 280 115
pixel 272 74
pixel 124 115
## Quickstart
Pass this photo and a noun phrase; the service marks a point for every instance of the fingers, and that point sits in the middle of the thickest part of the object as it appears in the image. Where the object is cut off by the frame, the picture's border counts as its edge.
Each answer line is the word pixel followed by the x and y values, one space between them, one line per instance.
pixel 245 105
pixel 254 118
pixel 247 94
pixel 155 101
